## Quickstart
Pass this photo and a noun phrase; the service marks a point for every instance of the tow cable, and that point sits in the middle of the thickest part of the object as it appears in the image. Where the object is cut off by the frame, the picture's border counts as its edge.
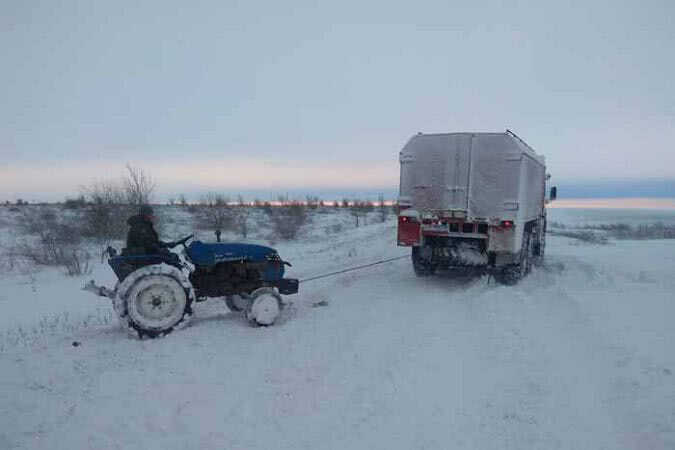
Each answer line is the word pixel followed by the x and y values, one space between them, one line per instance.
pixel 353 268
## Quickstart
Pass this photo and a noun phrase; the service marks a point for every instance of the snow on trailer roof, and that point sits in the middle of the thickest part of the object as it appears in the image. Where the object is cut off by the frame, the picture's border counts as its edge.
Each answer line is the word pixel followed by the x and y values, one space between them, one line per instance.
pixel 524 146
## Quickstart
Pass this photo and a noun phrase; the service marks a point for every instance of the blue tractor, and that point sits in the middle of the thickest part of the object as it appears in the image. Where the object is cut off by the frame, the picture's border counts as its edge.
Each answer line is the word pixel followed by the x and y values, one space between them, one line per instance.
pixel 155 293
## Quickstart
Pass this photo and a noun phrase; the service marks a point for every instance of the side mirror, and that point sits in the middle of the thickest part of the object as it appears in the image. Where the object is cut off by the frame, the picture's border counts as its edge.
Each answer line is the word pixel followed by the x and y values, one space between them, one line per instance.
pixel 554 193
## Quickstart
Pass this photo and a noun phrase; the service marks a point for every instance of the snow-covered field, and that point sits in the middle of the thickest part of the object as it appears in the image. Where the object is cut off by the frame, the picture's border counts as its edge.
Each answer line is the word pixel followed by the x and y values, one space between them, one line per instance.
pixel 580 355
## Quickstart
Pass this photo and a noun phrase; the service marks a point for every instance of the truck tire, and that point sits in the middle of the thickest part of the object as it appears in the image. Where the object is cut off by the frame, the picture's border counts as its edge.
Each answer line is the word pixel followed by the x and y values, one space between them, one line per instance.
pixel 539 251
pixel 539 247
pixel 421 267
pixel 510 275
pixel 154 300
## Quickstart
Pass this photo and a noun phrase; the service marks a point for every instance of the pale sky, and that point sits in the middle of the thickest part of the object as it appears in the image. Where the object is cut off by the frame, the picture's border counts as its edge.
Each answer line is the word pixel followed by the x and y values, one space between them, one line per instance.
pixel 247 95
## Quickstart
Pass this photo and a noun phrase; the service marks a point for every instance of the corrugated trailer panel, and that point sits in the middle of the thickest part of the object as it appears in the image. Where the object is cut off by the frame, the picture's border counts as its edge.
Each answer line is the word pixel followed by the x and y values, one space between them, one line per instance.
pixel 532 188
pixel 495 175
pixel 435 170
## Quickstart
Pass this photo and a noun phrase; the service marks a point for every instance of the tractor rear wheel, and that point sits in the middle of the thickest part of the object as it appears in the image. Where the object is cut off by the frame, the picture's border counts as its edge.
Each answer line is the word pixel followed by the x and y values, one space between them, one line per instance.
pixel 154 300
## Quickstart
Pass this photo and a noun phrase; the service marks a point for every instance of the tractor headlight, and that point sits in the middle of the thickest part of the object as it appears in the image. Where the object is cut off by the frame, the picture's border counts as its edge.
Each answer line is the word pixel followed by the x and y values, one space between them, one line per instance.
pixel 274 257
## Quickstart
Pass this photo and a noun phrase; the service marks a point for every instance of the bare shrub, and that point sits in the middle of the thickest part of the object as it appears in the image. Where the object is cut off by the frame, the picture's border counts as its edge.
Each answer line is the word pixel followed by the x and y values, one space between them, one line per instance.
pixel 75 203
pixel 358 211
pixel 656 230
pixel 105 218
pixel 240 217
pixel 138 186
pixel 45 224
pixel 51 252
pixel 334 229
pixel 182 200
pixel 582 235
pixel 620 231
pixel 77 263
pixel 49 240
pixel 313 202
pixel 34 220
pixel 214 213
pixel 9 260
pixel 287 220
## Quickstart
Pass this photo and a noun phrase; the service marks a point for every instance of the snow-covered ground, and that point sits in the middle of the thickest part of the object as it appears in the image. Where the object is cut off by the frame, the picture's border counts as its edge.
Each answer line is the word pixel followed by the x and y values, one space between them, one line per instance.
pixel 577 356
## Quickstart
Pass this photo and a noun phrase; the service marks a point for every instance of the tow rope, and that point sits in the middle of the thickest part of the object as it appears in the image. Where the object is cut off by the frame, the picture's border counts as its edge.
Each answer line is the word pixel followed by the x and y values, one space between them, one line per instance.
pixel 353 268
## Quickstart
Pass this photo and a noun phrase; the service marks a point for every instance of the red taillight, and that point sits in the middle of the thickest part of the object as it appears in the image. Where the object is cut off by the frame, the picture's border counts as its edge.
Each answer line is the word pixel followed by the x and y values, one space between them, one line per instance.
pixel 507 224
pixel 407 219
pixel 409 231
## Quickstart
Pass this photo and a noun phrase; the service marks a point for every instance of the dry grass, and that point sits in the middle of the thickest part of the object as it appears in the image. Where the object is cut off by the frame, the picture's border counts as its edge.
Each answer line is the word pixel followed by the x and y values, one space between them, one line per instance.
pixel 601 233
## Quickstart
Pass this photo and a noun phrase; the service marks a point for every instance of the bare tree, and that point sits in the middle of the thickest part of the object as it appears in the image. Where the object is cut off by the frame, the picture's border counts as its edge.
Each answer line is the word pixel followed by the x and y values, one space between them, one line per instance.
pixel 382 208
pixel 313 201
pixel 182 200
pixel 138 186
pixel 215 212
pixel 287 219
pixel 283 200
pixel 241 214
pixel 359 209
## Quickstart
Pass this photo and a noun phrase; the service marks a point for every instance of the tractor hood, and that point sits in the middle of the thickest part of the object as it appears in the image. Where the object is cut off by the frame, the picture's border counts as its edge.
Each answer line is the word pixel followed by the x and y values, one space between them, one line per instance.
pixel 210 254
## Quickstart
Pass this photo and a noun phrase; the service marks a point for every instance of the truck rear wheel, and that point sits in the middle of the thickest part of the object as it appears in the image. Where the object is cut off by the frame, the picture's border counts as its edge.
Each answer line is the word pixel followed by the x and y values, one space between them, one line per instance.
pixel 539 251
pixel 421 266
pixel 513 273
pixel 539 245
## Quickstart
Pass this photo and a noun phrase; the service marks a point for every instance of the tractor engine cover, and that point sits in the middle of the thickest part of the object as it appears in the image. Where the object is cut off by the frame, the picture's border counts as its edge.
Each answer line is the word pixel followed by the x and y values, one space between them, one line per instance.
pixel 227 278
pixel 226 269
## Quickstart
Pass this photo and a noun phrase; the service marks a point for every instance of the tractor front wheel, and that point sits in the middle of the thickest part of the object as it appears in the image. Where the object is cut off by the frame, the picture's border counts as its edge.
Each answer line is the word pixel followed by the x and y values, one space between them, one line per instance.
pixel 265 306
pixel 236 303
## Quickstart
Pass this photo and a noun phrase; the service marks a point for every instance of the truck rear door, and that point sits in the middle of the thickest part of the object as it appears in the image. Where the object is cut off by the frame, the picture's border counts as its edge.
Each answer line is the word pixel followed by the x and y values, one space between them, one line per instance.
pixel 442 166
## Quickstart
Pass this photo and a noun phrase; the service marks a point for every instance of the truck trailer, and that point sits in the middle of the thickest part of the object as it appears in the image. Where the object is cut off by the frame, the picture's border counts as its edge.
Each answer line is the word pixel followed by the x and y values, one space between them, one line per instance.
pixel 472 202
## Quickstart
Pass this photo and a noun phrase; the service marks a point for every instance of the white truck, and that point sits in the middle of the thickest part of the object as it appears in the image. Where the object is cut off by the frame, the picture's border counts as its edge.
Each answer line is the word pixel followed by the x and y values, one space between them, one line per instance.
pixel 473 202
